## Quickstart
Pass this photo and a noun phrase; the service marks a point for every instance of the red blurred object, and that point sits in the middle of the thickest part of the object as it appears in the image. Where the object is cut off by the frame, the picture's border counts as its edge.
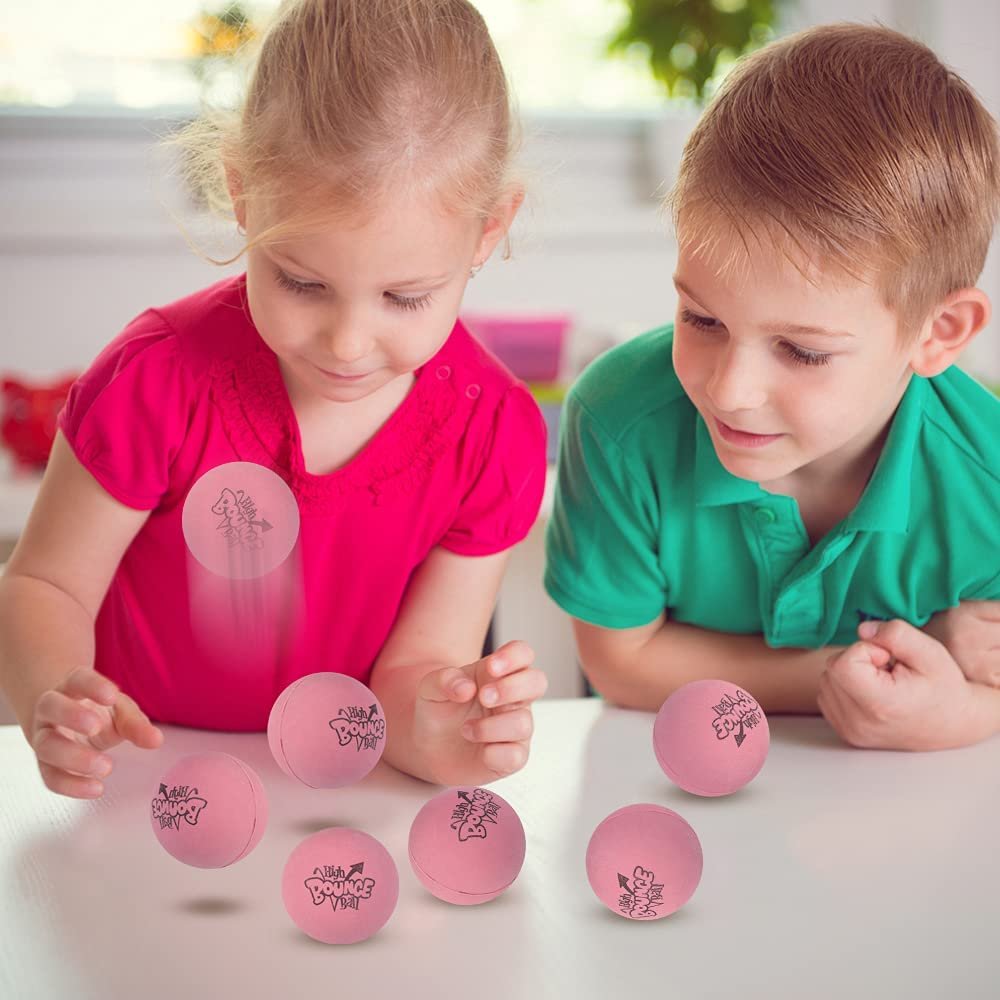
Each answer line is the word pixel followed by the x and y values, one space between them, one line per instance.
pixel 28 419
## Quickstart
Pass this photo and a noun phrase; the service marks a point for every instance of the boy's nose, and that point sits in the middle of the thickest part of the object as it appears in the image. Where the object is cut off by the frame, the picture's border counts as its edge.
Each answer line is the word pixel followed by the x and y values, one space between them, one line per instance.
pixel 736 384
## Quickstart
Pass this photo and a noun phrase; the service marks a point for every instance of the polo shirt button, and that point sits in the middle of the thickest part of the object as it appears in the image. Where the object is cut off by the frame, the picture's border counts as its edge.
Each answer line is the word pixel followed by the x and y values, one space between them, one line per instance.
pixel 764 515
pixel 473 391
pixel 444 372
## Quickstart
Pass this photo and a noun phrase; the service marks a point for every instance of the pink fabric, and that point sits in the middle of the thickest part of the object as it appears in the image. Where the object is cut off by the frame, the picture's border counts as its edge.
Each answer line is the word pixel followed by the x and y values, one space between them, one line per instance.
pixel 191 386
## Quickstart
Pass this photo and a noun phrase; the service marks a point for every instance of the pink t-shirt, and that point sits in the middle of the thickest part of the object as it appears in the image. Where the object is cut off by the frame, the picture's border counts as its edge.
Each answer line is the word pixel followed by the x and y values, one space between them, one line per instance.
pixel 191 386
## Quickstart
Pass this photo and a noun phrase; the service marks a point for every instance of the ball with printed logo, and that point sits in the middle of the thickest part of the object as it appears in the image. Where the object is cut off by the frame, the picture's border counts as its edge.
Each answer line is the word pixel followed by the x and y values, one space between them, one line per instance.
pixel 240 520
pixel 326 730
pixel 340 886
pixel 711 737
pixel 209 810
pixel 467 845
pixel 644 862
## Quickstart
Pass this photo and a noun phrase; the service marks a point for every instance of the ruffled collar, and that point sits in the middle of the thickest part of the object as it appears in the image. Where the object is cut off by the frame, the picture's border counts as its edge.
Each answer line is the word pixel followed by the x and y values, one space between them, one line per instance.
pixel 259 420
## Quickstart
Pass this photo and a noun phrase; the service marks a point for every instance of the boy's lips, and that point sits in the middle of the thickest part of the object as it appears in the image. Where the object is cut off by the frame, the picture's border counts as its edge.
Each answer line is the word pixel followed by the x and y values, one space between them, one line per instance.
pixel 745 439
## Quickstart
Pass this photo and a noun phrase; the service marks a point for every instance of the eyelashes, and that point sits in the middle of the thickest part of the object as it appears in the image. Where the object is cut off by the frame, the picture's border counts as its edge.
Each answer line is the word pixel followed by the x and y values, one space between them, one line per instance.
pixel 797 354
pixel 407 303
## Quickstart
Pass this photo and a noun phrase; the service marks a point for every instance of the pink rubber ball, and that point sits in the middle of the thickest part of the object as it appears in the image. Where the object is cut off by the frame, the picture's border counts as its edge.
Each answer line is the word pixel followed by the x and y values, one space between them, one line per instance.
pixel 210 810
pixel 340 886
pixel 326 730
pixel 711 737
pixel 467 845
pixel 644 862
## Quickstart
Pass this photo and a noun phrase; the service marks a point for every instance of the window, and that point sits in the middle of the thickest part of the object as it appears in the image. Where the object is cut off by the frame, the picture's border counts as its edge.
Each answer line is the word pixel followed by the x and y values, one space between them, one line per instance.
pixel 139 54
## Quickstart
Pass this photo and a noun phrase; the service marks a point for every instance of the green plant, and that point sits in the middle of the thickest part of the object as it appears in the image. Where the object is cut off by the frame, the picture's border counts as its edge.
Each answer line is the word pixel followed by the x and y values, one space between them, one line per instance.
pixel 688 42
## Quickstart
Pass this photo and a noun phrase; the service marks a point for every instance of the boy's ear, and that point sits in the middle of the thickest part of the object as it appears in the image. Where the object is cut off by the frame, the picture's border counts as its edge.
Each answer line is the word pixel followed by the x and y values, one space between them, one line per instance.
pixel 234 182
pixel 950 329
pixel 498 224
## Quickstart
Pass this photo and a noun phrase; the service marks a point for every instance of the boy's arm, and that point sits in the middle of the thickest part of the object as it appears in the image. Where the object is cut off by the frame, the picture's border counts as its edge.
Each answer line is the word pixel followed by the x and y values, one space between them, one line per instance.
pixel 641 667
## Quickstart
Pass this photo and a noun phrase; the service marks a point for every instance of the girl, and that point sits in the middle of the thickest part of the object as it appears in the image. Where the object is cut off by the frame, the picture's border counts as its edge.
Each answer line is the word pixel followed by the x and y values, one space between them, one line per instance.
pixel 368 173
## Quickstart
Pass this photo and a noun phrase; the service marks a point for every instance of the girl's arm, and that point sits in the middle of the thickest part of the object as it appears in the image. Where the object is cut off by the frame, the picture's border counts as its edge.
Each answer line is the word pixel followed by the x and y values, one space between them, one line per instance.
pixel 435 688
pixel 641 667
pixel 50 594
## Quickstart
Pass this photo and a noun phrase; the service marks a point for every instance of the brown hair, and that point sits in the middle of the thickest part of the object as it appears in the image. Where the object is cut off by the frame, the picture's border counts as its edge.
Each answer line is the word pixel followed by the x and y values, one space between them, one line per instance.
pixel 351 99
pixel 851 146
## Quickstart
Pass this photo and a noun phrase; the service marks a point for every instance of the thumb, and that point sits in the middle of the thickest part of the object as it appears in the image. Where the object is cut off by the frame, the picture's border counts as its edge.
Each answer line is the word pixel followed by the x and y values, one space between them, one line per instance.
pixel 446 684
pixel 132 724
pixel 907 644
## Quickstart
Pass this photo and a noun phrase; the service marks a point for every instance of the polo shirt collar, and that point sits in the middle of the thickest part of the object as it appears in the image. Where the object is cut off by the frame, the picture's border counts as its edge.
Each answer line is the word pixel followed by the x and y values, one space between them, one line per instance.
pixel 885 503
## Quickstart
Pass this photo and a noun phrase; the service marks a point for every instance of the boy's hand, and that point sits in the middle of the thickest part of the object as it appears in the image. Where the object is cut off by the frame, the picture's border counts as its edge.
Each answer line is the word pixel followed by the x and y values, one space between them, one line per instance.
pixel 971 633
pixel 896 689
pixel 74 721
pixel 474 722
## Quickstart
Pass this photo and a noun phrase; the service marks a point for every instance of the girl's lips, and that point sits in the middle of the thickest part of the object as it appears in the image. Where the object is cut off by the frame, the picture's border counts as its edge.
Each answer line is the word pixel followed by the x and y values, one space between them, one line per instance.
pixel 343 378
pixel 742 438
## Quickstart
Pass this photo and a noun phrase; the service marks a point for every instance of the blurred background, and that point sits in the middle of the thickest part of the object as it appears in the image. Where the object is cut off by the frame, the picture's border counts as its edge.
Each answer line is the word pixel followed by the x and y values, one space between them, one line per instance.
pixel 608 90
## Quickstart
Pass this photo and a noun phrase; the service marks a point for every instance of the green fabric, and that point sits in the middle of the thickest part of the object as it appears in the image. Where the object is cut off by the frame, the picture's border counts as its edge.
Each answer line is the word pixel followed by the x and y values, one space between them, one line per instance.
pixel 646 518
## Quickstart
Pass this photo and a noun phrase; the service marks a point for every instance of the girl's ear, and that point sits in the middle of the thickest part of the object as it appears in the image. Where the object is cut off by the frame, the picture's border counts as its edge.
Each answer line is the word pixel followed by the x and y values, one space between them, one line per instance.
pixel 234 182
pixel 498 224
pixel 950 329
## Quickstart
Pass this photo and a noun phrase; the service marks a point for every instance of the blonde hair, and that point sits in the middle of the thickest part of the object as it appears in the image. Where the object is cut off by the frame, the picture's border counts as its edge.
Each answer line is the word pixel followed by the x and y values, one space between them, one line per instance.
pixel 350 100
pixel 853 147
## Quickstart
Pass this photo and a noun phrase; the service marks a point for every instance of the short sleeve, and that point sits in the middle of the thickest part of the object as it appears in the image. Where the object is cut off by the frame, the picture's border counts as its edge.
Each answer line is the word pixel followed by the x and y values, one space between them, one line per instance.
pixel 601 544
pixel 501 506
pixel 124 417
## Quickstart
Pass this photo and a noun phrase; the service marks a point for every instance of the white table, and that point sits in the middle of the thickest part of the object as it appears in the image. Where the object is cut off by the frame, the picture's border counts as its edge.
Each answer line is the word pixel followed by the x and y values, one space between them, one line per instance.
pixel 838 873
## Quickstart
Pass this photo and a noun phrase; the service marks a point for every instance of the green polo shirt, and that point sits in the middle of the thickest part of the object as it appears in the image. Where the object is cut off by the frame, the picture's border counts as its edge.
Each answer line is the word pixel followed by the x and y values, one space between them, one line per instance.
pixel 646 518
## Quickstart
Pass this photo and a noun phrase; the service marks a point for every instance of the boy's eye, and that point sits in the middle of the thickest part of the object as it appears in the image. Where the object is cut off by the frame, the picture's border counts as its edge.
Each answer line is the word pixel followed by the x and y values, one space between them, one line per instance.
pixel 804 357
pixel 698 322
pixel 299 287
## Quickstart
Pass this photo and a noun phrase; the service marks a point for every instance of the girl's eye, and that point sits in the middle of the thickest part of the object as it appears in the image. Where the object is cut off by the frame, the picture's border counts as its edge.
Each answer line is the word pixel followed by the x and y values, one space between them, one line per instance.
pixel 408 301
pixel 698 322
pixel 299 287
pixel 803 357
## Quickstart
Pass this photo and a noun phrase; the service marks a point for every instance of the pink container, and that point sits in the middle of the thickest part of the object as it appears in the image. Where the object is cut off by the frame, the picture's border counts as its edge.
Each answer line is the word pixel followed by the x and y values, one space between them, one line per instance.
pixel 327 730
pixel 530 346
pixel 467 845
pixel 711 737
pixel 644 862
pixel 340 886
pixel 210 810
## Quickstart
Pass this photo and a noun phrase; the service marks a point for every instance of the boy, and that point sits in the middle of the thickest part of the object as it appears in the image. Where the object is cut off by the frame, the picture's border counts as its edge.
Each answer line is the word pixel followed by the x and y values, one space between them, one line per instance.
pixel 794 463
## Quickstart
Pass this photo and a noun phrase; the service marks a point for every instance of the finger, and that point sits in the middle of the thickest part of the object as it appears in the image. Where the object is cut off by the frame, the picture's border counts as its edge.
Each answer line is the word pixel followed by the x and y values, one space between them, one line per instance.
pixel 509 658
pixel 132 724
pixel 54 708
pixel 64 754
pixel 70 784
pixel 860 670
pixel 906 643
pixel 447 684
pixel 88 683
pixel 506 727
pixel 505 758
pixel 524 686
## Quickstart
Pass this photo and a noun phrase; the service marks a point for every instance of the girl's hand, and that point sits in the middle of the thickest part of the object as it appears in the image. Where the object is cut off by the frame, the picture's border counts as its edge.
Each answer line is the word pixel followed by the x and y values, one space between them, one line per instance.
pixel 971 633
pixel 897 689
pixel 76 720
pixel 475 721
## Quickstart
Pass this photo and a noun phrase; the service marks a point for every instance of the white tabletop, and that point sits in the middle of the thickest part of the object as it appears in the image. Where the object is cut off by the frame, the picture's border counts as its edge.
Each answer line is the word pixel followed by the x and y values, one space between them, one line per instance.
pixel 837 873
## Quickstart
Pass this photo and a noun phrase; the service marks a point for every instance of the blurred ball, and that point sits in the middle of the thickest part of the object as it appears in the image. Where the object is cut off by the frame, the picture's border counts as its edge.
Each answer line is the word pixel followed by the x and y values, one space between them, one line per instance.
pixel 644 862
pixel 711 737
pixel 240 520
pixel 340 886
pixel 467 845
pixel 210 810
pixel 326 730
